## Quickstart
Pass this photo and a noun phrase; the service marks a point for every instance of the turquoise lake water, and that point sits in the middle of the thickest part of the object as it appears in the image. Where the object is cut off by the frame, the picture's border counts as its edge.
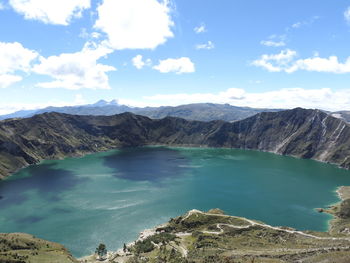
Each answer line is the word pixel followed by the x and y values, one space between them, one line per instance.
pixel 110 197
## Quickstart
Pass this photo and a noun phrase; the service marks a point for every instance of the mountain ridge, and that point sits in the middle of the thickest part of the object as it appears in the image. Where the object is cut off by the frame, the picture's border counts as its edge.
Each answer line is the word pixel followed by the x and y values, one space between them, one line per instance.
pixel 196 111
pixel 302 133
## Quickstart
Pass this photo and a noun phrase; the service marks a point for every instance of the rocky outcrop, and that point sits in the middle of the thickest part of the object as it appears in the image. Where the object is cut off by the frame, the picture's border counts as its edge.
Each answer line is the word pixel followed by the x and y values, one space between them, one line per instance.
pixel 302 133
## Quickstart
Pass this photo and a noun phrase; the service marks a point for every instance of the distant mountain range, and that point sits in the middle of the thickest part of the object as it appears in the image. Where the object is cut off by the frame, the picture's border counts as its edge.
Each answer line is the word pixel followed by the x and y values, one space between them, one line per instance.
pixel 345 115
pixel 310 134
pixel 196 111
pixel 199 111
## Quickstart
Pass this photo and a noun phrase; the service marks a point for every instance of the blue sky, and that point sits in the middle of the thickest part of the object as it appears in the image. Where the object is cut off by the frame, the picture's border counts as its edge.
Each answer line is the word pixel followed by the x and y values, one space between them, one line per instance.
pixel 278 54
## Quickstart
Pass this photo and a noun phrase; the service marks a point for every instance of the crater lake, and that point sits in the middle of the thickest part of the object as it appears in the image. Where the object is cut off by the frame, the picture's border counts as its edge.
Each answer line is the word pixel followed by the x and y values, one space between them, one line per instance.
pixel 110 197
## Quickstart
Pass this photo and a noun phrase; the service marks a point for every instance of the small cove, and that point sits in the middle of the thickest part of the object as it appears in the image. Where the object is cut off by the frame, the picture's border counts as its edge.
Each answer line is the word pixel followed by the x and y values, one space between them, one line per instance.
pixel 110 197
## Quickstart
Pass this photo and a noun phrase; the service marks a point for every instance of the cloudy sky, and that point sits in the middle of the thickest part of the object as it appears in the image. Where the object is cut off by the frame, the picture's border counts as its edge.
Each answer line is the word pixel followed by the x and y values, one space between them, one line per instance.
pixel 273 53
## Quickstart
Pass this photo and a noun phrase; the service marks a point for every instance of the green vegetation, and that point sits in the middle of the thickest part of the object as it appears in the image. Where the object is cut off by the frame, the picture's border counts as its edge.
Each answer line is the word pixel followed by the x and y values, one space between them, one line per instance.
pixel 149 244
pixel 162 238
pixel 199 237
pixel 144 246
pixel 101 251
pixel 195 222
pixel 24 248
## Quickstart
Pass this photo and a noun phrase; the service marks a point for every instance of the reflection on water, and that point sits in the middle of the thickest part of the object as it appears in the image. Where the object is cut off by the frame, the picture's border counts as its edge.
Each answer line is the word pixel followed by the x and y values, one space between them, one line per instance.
pixel 147 164
pixel 46 179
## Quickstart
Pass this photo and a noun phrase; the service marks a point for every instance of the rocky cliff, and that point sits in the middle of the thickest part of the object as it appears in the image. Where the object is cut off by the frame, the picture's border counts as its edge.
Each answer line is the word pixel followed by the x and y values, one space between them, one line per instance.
pixel 299 132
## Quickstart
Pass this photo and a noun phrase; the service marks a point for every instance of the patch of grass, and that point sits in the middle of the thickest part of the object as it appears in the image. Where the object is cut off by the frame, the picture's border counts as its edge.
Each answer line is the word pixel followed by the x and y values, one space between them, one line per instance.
pixel 144 246
pixel 199 221
pixel 162 238
pixel 23 248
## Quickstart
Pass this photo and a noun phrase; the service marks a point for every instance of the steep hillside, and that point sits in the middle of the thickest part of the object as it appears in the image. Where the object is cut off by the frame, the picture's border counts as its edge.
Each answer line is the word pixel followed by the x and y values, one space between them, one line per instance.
pixel 310 134
pixel 302 133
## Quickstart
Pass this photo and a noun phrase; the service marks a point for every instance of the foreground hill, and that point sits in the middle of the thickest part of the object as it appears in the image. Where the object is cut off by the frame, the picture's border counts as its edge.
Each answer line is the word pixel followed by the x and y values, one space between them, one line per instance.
pixel 302 133
pixel 23 248
pixel 202 237
pixel 197 111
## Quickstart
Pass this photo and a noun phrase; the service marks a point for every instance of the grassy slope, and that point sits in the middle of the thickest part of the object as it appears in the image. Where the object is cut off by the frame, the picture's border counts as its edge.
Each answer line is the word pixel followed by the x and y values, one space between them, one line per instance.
pixel 19 248
pixel 199 237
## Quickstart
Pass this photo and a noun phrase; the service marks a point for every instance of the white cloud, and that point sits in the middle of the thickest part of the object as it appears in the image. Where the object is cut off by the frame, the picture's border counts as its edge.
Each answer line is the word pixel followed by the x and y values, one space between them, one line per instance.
pixel 76 70
pixel 135 24
pixel 209 45
pixel 347 15
pixel 323 98
pixel 138 62
pixel 7 108
pixel 7 80
pixel 13 58
pixel 285 62
pixel 95 35
pixel 275 41
pixel 276 62
pixel 271 43
pixel 303 23
pixel 297 25
pixel 79 100
pixel 57 12
pixel 331 65
pixel 281 40
pixel 178 66
pixel 316 53
pixel 200 29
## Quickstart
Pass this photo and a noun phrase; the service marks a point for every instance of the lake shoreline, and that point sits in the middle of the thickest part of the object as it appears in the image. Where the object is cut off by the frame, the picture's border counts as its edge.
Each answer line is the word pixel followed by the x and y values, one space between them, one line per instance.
pixel 122 255
pixel 175 146
pixel 343 192
pixel 239 152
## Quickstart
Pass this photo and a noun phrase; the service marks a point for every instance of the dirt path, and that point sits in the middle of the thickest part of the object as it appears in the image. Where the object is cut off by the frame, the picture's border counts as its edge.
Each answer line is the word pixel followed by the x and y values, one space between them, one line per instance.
pixel 254 223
